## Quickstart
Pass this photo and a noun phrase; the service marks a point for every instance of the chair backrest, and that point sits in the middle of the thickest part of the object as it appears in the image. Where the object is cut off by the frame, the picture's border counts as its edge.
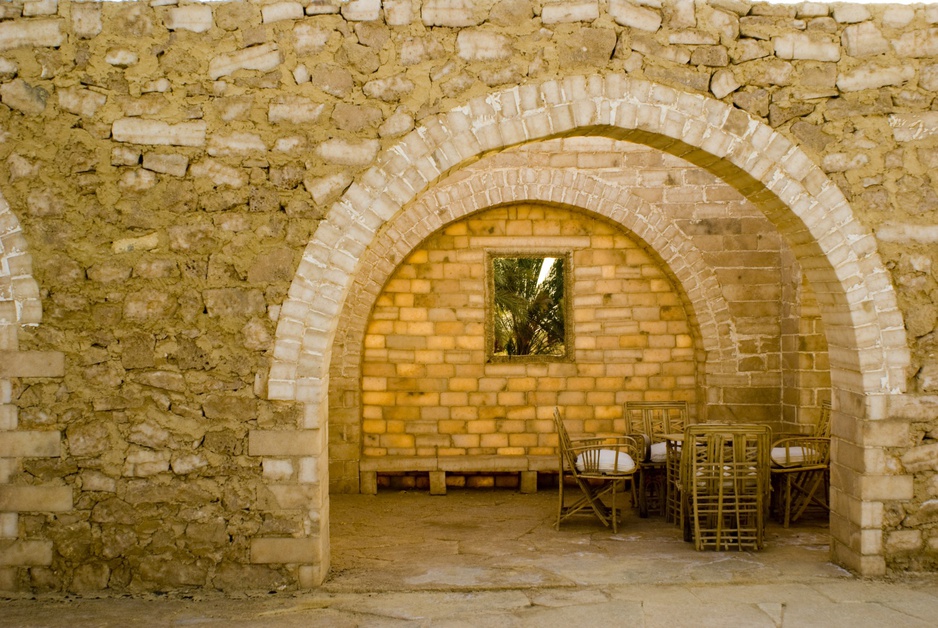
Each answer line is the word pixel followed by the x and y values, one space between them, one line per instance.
pixel 823 428
pixel 717 452
pixel 654 418
pixel 564 445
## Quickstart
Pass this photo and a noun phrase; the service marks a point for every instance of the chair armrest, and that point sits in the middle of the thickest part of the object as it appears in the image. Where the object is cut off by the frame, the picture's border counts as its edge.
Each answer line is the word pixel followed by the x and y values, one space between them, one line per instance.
pixel 798 452
pixel 617 455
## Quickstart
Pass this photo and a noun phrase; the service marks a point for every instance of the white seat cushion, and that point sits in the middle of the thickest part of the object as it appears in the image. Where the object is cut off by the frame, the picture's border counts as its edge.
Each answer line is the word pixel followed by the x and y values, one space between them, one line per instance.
pixel 609 464
pixel 795 455
pixel 659 452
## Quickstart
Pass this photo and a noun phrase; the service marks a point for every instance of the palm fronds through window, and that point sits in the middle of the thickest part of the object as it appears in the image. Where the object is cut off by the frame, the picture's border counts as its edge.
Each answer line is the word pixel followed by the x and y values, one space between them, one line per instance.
pixel 529 306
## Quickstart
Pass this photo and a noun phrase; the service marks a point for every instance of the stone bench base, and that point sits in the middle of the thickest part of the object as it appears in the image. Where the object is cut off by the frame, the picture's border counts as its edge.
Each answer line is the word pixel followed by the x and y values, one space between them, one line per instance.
pixel 526 466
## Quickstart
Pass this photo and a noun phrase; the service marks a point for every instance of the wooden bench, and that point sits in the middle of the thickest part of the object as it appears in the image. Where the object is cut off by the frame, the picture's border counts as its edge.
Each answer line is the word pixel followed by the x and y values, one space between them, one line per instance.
pixel 437 467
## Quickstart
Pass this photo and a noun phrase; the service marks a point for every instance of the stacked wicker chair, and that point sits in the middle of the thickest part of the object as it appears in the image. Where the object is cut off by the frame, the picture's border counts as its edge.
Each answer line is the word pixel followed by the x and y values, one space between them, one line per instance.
pixel 725 485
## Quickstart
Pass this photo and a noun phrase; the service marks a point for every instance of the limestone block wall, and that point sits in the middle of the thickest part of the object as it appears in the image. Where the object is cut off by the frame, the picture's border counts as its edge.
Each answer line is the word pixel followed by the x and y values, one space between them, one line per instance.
pixel 428 388
pixel 165 164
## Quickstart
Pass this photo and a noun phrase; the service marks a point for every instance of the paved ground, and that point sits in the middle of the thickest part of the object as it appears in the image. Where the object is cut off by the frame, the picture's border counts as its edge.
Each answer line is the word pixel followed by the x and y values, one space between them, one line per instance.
pixel 493 558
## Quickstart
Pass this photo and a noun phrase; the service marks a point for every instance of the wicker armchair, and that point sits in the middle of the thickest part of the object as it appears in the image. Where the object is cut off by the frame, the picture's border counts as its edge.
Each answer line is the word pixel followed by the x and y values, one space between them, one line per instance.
pixel 800 470
pixel 598 467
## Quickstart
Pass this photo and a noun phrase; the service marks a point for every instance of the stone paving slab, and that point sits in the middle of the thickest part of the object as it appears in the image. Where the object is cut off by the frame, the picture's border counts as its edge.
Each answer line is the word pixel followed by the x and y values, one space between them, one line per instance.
pixel 494 559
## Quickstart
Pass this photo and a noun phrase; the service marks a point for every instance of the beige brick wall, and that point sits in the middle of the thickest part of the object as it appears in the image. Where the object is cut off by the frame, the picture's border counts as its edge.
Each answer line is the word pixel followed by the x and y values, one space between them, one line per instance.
pixel 428 388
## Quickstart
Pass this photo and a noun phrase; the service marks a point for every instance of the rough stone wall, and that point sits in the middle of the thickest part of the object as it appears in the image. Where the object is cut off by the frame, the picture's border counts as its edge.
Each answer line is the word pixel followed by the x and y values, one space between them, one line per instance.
pixel 167 162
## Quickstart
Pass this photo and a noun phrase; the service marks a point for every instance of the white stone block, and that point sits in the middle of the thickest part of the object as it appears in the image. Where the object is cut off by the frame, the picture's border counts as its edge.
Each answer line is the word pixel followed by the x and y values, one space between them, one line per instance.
pixel 452 13
pixel 321 7
pixel 324 189
pixel 896 16
pixel 874 78
pixel 121 57
pixel 160 86
pixel 32 8
pixel 145 462
pixel 31 34
pixel 931 13
pixel 191 17
pixel 86 19
pixel 125 156
pixel 917 44
pixel 301 74
pixel 276 469
pixel 96 481
pixel 561 12
pixel 683 14
pixel 137 180
pixel 8 68
pixel 281 11
pixel 398 12
pixel 904 232
pixel 908 127
pixel 310 39
pixel 263 58
pixel 864 40
pixel 9 525
pixel 8 416
pixel 723 83
pixel 20 95
pixel 81 102
pixel 396 125
pixel 802 46
pixel 296 143
pixel 309 470
pixel 850 13
pixel 173 164
pixel 475 45
pixel 236 144
pixel 361 10
pixel 143 243
pixel 294 110
pixel 627 14
pixel 389 89
pixel 219 173
pixel 187 463
pixel 348 153
pixel 158 133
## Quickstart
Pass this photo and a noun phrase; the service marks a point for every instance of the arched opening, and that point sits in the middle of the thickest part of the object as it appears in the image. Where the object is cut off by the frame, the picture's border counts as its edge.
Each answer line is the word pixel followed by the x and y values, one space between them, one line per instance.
pixel 868 355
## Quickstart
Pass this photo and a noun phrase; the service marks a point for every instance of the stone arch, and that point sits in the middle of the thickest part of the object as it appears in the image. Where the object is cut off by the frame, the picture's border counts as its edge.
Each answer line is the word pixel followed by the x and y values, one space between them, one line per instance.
pixel 19 292
pixel 449 202
pixel 459 196
pixel 868 350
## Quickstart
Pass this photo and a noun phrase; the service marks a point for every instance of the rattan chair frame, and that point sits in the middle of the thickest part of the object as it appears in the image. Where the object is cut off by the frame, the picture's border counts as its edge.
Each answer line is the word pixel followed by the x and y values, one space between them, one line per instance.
pixel 725 484
pixel 652 420
pixel 594 484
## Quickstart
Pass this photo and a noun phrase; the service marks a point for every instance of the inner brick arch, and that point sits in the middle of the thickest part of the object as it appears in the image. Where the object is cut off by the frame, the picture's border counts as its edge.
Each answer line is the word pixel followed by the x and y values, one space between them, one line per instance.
pixel 483 187
pixel 868 350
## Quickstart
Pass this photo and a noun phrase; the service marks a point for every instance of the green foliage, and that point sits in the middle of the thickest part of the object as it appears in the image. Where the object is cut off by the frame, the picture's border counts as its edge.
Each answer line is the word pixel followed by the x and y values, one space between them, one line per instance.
pixel 528 315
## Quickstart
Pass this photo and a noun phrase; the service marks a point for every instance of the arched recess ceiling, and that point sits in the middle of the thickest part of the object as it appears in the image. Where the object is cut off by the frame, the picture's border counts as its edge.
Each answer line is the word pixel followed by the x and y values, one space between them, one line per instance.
pixel 19 292
pixel 868 352
pixel 480 188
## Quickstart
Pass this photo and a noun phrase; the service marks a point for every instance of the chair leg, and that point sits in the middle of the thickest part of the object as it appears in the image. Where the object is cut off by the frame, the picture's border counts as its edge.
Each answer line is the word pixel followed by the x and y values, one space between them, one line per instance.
pixel 808 490
pixel 559 501
pixel 642 493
